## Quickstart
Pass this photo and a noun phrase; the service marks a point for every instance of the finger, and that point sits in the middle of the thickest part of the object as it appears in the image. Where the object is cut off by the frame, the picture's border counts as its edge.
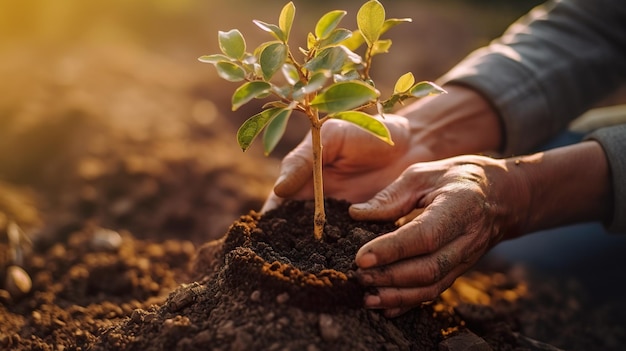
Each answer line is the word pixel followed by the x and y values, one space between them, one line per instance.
pixel 391 203
pixel 437 226
pixel 296 169
pixel 271 202
pixel 418 271
pixel 400 298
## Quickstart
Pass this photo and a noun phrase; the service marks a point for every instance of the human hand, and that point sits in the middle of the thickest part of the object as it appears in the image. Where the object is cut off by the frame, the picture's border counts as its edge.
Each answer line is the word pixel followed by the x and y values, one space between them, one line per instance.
pixel 469 204
pixel 356 165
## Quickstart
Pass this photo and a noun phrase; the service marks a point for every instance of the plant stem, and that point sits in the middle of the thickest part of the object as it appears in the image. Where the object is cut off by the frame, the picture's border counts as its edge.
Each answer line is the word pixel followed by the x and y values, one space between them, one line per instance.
pixel 319 218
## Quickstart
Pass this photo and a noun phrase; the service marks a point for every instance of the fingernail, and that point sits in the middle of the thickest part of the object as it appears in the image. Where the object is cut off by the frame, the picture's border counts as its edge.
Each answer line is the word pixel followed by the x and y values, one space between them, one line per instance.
pixel 367 260
pixel 372 301
pixel 280 180
pixel 361 207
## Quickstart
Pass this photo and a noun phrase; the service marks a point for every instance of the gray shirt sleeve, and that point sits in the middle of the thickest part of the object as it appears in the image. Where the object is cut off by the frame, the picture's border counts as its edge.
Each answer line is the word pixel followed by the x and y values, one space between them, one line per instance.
pixel 613 141
pixel 550 67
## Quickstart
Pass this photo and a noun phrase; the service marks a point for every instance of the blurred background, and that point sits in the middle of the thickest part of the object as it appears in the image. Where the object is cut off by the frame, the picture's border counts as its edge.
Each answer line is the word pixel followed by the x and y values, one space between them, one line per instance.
pixel 107 117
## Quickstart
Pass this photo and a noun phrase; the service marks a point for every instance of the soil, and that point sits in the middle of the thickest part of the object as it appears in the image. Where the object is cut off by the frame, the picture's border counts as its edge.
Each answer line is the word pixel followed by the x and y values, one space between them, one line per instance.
pixel 118 163
pixel 268 285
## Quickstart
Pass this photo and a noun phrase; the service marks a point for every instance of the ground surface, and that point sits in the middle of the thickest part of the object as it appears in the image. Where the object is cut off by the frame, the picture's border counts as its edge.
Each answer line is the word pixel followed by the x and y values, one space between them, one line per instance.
pixel 119 162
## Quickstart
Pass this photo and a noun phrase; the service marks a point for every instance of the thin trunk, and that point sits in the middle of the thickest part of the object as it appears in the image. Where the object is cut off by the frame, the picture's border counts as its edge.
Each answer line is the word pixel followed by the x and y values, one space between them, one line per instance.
pixel 318 186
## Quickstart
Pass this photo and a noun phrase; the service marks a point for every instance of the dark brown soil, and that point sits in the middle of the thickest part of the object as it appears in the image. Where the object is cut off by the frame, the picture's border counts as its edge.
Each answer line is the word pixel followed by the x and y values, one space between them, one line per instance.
pixel 269 285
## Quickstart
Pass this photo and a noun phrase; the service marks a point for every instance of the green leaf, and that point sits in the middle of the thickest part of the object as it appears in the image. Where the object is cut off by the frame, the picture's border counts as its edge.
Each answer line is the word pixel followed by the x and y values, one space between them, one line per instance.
pixel 276 103
pixel 273 29
pixel 367 123
pixel 370 20
pixel 349 75
pixel 283 92
pixel 344 96
pixel 404 83
pixel 381 47
pixel 334 38
pixel 230 71
pixel 423 89
pixel 249 91
pixel 291 73
pixel 332 59
pixel 316 82
pixel 310 41
pixel 232 43
pixel 275 130
pixel 213 59
pixel 249 63
pixel 328 23
pixel 272 59
pixel 356 40
pixel 285 21
pixel 253 126
pixel 392 22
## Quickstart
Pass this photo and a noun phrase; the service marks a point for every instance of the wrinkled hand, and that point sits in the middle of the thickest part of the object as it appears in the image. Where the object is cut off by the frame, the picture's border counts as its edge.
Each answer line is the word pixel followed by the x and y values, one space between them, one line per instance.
pixel 469 204
pixel 356 165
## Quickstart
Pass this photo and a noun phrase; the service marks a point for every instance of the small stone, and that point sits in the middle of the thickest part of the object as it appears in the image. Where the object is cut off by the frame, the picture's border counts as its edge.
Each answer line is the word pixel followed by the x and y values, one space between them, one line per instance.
pixel 282 298
pixel 183 297
pixel 136 316
pixel 18 282
pixel 106 240
pixel 36 316
pixel 329 330
pixel 255 296
pixel 464 341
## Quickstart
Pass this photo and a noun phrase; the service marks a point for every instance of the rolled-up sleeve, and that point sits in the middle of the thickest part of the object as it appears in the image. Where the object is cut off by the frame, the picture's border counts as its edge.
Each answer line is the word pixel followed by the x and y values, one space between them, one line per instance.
pixel 613 141
pixel 548 68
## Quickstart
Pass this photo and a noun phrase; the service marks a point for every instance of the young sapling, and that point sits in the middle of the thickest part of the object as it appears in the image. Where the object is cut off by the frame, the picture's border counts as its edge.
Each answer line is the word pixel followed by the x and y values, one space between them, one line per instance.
pixel 326 80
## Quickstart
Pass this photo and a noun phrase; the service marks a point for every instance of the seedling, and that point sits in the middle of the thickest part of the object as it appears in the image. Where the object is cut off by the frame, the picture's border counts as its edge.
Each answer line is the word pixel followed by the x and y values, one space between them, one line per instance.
pixel 325 80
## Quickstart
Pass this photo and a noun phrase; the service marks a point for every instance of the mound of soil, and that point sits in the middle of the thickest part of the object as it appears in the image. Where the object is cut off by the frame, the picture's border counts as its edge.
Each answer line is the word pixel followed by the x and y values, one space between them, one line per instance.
pixel 269 285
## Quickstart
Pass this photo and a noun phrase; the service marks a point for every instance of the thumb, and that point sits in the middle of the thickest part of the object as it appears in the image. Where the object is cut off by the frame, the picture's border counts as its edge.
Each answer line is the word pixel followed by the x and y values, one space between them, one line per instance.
pixel 296 169
pixel 390 204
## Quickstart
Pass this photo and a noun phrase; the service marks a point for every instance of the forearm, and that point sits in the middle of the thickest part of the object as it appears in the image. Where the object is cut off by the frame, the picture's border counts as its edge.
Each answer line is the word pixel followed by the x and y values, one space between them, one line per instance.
pixel 457 123
pixel 548 68
pixel 567 185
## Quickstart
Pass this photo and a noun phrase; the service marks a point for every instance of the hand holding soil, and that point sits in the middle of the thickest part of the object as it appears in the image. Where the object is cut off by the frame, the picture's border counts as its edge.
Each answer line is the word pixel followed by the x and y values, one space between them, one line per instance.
pixel 470 203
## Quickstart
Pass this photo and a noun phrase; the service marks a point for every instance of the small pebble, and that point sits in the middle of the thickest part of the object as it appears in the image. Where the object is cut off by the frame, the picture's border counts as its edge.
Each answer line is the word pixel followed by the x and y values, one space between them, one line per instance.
pixel 136 316
pixel 329 330
pixel 255 296
pixel 18 282
pixel 282 298
pixel 106 240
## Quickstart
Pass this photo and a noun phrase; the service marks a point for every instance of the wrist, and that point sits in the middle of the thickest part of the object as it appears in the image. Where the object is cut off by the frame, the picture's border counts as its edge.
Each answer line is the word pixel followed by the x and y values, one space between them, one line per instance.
pixel 567 185
pixel 457 123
